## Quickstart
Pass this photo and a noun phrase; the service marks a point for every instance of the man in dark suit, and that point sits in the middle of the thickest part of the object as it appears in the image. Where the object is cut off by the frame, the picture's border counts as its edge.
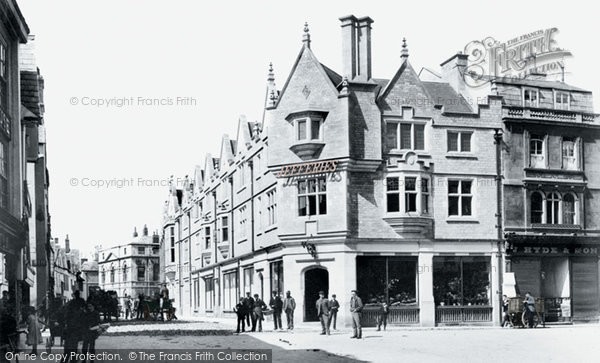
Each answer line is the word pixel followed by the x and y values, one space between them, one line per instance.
pixel 335 306
pixel 356 307
pixel 323 312
pixel 249 302
pixel 276 305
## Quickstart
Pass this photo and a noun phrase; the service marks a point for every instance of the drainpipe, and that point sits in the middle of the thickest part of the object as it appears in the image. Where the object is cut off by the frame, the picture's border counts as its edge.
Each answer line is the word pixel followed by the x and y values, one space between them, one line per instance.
pixel 251 165
pixel 214 231
pixel 190 261
pixel 498 141
pixel 231 224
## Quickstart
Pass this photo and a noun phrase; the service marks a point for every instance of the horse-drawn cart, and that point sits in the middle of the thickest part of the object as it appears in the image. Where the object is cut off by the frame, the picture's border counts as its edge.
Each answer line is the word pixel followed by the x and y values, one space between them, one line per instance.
pixel 517 316
pixel 153 308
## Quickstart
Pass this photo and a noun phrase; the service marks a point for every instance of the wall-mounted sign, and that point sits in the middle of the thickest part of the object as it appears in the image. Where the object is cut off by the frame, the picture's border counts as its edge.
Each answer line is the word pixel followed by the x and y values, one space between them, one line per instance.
pixel 556 250
pixel 316 167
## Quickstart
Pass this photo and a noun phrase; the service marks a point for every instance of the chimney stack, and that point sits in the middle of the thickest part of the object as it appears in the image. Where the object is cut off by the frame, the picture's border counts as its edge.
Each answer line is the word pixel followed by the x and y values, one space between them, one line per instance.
pixel 356 48
pixel 67 245
pixel 453 71
pixel 135 234
pixel 146 227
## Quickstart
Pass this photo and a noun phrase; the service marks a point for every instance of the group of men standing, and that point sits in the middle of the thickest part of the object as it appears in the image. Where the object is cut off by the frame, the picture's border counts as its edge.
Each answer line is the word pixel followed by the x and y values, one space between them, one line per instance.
pixel 250 309
pixel 327 312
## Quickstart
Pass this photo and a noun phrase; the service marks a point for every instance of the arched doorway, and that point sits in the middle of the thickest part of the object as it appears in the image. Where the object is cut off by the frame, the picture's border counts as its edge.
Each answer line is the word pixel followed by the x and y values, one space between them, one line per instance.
pixel 315 280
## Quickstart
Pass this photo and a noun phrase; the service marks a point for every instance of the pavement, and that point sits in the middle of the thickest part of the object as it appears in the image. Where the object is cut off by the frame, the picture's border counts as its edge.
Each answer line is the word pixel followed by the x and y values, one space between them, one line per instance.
pixel 567 343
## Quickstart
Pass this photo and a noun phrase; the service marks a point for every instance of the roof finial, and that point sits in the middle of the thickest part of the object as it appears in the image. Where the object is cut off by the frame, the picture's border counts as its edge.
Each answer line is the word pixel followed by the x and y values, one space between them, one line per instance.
pixel 271 75
pixel 306 36
pixel 344 90
pixel 404 53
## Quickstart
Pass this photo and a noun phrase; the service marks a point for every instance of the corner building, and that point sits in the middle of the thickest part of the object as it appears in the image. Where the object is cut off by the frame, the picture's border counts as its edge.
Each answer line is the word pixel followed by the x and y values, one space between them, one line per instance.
pixel 387 186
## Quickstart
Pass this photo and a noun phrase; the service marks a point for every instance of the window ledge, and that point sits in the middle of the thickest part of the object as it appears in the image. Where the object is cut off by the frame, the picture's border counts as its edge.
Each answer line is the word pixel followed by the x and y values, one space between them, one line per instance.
pixel 242 240
pixel 467 219
pixel 241 189
pixel 400 152
pixel 270 228
pixel 555 226
pixel 460 155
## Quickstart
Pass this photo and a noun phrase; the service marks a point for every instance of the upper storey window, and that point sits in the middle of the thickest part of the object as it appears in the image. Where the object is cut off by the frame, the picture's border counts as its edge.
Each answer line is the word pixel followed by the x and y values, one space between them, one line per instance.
pixel 308 133
pixel 405 135
pixel 531 97
pixel 562 100
pixel 537 151
pixel 308 129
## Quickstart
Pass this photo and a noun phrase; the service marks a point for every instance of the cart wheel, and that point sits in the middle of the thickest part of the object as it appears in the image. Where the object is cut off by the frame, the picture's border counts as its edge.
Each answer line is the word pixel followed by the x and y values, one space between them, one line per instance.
pixel 536 320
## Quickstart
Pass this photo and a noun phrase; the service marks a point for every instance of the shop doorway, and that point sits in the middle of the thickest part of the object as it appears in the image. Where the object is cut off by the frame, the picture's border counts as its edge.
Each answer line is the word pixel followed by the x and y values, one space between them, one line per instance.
pixel 585 288
pixel 315 280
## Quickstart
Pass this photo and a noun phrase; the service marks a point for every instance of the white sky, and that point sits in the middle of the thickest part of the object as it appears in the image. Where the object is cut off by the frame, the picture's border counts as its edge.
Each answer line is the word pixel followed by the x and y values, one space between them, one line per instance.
pixel 218 52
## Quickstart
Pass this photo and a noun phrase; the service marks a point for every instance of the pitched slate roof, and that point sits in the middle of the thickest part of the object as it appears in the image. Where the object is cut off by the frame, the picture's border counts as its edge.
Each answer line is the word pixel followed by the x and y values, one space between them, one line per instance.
pixel 444 95
pixel 540 83
pixel 335 78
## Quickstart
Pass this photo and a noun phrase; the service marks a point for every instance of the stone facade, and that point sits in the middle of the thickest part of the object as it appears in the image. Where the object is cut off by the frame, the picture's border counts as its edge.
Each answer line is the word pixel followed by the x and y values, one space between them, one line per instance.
pixel 388 186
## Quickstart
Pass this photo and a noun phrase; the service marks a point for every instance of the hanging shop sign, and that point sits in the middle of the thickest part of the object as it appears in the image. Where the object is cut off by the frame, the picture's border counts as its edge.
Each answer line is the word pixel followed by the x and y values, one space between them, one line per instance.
pixel 317 167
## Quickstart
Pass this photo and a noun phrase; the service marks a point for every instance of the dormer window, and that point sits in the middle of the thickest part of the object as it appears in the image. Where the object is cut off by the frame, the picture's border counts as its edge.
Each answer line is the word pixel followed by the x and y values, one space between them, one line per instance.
pixel 308 132
pixel 562 100
pixel 530 97
pixel 308 128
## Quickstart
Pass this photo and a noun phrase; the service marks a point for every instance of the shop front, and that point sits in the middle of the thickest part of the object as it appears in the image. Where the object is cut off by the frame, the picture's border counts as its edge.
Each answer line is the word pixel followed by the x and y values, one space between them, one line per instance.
pixel 461 289
pixel 392 279
pixel 565 275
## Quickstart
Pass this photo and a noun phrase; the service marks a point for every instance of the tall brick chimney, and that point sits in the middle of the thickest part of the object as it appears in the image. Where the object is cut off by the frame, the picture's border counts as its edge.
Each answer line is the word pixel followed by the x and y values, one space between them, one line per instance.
pixel 356 48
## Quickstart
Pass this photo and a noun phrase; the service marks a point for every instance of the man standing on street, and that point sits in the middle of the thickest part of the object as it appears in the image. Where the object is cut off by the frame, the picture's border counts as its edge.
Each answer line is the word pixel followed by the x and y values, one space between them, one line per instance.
pixel 323 312
pixel 356 307
pixel 249 301
pixel 289 305
pixel 257 313
pixel 276 305
pixel 335 306
pixel 240 311
pixel 529 308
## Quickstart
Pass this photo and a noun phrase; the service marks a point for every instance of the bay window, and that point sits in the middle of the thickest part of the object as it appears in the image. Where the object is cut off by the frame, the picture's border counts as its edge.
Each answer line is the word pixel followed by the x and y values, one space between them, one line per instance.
pixel 308 128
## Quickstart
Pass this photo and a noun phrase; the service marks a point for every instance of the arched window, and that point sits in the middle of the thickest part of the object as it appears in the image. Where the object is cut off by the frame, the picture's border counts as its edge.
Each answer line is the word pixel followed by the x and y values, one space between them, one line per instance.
pixel 552 208
pixel 569 211
pixel 537 207
pixel 124 272
pixel 112 274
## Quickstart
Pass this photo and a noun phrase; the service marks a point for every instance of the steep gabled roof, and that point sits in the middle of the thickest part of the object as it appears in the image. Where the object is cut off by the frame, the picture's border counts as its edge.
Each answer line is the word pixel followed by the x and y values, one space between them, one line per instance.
pixel 227 153
pixel 329 74
pixel 244 134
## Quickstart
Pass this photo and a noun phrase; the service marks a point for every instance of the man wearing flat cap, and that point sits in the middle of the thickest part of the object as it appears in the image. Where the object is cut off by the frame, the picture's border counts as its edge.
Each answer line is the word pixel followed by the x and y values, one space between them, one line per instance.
pixel 323 312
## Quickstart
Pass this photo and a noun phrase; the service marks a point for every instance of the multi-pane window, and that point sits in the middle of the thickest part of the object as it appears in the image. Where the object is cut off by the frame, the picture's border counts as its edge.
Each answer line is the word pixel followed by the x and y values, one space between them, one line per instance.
pixel 3 175
pixel 562 100
pixel 569 153
pixel 230 287
pixel 459 197
pixel 112 274
pixel 141 251
pixel 172 244
pixel 411 191
pixel 530 97
pixel 271 208
pixel 207 237
pixel 141 273
pixel 243 221
pixel 312 197
pixel 569 209
pixel 276 269
pixel 424 195
pixel 393 194
pixel 410 194
pixel 537 207
pixel 308 129
pixel 405 136
pixel 459 141
pixel 552 208
pixel 248 279
pixel 223 229
pixel 537 154
pixel 209 293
